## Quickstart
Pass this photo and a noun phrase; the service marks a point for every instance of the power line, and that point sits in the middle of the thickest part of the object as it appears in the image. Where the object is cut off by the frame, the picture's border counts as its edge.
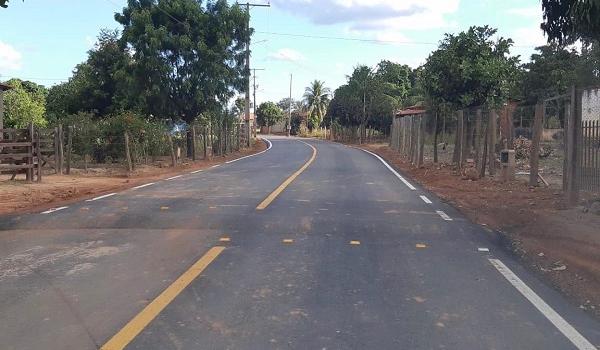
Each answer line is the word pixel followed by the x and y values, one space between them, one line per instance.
pixel 376 41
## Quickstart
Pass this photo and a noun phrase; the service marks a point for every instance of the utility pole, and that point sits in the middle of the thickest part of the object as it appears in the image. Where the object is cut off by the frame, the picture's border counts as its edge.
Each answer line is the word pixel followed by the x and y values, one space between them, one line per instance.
pixel 247 106
pixel 254 88
pixel 289 123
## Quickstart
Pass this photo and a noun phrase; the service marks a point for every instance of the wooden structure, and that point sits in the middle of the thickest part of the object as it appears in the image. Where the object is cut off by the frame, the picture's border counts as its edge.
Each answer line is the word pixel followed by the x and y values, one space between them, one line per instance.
pixel 20 153
pixel 408 133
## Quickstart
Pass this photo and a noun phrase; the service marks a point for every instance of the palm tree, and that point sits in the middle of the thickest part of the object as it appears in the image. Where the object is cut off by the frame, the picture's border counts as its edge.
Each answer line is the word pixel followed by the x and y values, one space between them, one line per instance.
pixel 316 98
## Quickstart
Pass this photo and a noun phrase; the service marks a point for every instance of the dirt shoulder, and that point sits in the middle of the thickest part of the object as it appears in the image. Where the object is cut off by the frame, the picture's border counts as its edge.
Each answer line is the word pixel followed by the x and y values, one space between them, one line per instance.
pixel 21 197
pixel 562 245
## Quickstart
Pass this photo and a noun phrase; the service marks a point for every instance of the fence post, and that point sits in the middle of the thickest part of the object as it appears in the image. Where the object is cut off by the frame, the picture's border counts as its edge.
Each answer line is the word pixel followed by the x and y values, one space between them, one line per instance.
pixel 477 137
pixel 194 143
pixel 127 153
pixel 435 138
pixel 421 140
pixel 492 142
pixel 572 148
pixel 29 171
pixel 69 147
pixel 61 156
pixel 458 145
pixel 56 150
pixel 534 158
pixel 38 151
pixel 173 159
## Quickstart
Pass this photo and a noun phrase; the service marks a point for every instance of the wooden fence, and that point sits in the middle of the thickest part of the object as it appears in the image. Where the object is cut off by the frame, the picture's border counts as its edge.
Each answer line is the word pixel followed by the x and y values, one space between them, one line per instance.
pixel 20 152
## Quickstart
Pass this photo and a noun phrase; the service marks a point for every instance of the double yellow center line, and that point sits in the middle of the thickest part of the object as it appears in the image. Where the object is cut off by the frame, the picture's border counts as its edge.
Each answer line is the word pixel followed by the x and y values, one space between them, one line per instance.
pixel 270 198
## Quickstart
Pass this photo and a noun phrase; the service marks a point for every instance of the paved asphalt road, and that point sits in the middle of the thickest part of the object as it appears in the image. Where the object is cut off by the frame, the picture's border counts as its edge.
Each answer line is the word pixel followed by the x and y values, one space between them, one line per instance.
pixel 346 257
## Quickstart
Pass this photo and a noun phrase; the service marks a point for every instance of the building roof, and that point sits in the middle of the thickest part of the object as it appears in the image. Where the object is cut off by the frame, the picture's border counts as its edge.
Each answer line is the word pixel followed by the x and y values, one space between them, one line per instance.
pixel 412 110
pixel 4 87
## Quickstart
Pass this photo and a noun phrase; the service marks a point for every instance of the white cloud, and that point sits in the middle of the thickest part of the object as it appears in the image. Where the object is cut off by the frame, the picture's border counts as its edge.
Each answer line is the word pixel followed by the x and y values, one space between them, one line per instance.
pixel 528 36
pixel 529 12
pixel 90 41
pixel 10 58
pixel 288 55
pixel 374 17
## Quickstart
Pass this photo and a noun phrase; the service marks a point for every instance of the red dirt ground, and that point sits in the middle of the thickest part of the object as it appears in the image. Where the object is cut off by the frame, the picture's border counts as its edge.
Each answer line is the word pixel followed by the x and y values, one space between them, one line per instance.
pixel 20 197
pixel 562 245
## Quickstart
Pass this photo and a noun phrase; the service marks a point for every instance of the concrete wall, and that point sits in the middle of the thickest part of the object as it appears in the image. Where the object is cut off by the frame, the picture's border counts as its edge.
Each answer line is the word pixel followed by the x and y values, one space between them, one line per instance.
pixel 590 105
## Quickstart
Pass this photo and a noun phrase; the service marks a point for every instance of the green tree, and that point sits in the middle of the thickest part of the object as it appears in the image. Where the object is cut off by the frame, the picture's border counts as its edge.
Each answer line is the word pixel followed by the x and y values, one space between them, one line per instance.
pixel 98 85
pixel 187 59
pixel 566 21
pixel 25 103
pixel 550 72
pixel 316 98
pixel 268 114
pixel 470 69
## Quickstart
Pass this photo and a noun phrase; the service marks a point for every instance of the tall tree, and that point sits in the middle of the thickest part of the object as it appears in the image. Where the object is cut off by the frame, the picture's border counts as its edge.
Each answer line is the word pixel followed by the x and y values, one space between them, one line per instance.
pixel 316 98
pixel 98 85
pixel 470 69
pixel 268 114
pixel 566 21
pixel 187 59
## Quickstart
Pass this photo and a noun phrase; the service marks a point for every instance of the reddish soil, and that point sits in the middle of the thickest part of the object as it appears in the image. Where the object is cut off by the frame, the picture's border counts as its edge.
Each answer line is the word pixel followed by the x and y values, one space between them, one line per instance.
pixel 562 245
pixel 21 197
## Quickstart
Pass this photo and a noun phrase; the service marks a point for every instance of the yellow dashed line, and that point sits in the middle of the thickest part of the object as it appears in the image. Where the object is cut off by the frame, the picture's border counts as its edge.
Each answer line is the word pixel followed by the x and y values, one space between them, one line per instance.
pixel 288 241
pixel 270 198
pixel 354 242
pixel 224 239
pixel 421 245
pixel 164 208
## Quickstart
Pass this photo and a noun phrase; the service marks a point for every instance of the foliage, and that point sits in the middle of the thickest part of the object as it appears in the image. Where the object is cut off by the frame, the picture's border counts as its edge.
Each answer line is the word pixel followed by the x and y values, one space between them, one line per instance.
pixel 370 97
pixel 470 69
pixel 187 59
pixel 25 103
pixel 98 85
pixel 550 72
pixel 316 98
pixel 566 21
pixel 268 114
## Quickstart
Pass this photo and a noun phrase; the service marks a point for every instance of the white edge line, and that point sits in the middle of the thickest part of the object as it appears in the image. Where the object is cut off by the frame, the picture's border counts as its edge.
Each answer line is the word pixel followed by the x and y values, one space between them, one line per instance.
pixel 173 178
pixel 142 186
pixel 443 215
pixel 426 200
pixel 197 171
pixel 215 166
pixel 408 184
pixel 53 210
pixel 100 197
pixel 483 250
pixel 252 155
pixel 560 323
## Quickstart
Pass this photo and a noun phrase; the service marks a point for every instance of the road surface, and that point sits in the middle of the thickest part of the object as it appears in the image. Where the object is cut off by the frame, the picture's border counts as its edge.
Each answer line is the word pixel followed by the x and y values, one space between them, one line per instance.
pixel 310 245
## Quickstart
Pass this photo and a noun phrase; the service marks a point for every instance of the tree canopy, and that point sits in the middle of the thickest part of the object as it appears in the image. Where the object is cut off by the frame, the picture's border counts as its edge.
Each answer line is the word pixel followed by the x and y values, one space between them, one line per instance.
pixel 566 21
pixel 186 59
pixel 25 103
pixel 268 114
pixel 470 69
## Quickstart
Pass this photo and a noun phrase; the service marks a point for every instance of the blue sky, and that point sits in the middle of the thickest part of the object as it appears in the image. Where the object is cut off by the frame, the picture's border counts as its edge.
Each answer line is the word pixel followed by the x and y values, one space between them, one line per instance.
pixel 43 40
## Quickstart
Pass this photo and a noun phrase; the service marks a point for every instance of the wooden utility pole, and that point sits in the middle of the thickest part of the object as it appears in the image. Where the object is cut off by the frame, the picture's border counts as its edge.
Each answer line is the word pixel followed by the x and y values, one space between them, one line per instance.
pixel 492 141
pixel 127 153
pixel 289 123
pixel 573 143
pixel 247 104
